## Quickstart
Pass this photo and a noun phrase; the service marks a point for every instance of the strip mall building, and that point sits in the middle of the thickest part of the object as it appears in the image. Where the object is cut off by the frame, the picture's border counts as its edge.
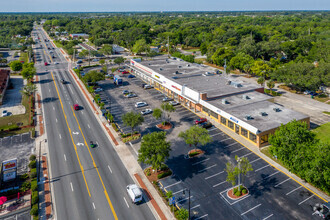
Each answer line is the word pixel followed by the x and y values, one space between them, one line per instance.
pixel 236 104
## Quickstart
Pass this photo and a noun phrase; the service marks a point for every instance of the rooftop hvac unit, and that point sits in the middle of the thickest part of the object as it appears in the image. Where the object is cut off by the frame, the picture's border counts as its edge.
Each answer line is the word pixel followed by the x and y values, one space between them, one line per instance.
pixel 263 113
pixel 237 85
pixel 228 82
pixel 149 64
pixel 248 117
pixel 188 65
pixel 179 67
pixel 160 69
pixel 245 97
pixel 277 109
pixel 224 101
pixel 167 61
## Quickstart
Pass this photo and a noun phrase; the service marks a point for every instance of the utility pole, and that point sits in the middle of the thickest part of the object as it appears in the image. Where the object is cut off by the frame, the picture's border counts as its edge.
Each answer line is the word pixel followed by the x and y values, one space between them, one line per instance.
pixel 225 66
pixel 188 200
pixel 89 57
pixel 168 46
pixel 239 174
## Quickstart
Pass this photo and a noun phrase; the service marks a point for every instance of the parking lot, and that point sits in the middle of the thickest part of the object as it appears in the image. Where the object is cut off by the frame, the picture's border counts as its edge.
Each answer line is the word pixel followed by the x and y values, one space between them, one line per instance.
pixel 272 194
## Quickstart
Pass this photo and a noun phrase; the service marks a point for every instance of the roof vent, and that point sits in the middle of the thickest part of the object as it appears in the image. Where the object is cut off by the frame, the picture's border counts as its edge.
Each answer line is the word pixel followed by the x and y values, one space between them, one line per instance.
pixel 179 67
pixel 174 58
pixel 224 101
pixel 160 69
pixel 167 61
pixel 176 72
pixel 237 85
pixel 188 64
pixel 228 82
pixel 263 113
pixel 277 109
pixel 149 64
pixel 248 117
pixel 245 97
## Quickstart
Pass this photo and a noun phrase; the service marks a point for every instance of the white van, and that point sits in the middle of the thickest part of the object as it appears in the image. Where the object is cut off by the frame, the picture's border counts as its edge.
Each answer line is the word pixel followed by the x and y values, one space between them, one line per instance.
pixel 134 193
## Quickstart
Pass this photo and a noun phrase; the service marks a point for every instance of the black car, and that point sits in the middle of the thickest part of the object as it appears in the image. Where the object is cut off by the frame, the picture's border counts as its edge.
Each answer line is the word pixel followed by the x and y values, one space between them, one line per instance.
pixel 206 125
pixel 143 84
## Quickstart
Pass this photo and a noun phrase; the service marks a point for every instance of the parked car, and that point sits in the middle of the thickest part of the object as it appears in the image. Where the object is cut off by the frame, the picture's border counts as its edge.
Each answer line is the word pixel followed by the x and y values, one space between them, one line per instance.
pixel 46 64
pixel 135 193
pixel 148 86
pixel 98 90
pixel 126 92
pixel 140 104
pixel 206 125
pixel 79 61
pixel 165 99
pixel 91 144
pixel 131 76
pixel 131 95
pixel 95 60
pixel 143 84
pixel 4 113
pixel 200 121
pixel 76 107
pixel 56 63
pixel 174 103
pixel 146 111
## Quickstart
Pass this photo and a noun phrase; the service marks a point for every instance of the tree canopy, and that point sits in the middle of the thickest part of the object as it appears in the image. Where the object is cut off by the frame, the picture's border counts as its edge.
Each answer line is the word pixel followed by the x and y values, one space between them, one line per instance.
pixel 196 135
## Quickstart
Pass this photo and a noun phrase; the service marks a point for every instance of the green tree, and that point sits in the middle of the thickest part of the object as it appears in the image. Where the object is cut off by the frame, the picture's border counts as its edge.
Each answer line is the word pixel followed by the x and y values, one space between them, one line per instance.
pixel 140 46
pixel 83 53
pixel 260 68
pixel 240 60
pixel 261 80
pixel 106 49
pixel 232 173
pixel 28 73
pixel 271 84
pixel 102 62
pixel 154 149
pixel 168 108
pixel 183 214
pixel 105 68
pixel 132 119
pixel 244 167
pixel 196 135
pixel 157 113
pixel 29 89
pixel 119 60
pixel 93 76
pixel 16 65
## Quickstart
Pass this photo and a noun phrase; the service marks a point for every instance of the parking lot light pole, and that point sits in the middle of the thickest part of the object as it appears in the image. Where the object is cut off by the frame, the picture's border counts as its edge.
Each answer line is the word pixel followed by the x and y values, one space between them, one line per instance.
pixel 239 174
pixel 188 201
pixel 40 158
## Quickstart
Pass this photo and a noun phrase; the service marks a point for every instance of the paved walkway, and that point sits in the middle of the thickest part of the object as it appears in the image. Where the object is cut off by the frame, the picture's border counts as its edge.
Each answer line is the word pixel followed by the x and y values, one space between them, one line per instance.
pixel 12 206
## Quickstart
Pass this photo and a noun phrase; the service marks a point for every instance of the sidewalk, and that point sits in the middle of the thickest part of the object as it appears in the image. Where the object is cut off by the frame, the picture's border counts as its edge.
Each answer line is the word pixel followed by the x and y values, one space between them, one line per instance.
pixel 12 206
pixel 257 151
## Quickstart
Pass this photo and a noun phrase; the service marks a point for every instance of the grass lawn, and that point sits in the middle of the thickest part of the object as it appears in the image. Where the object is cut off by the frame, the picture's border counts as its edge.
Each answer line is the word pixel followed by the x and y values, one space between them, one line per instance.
pixel 323 98
pixel 14 119
pixel 191 50
pixel 265 150
pixel 58 44
pixel 323 132
pixel 23 57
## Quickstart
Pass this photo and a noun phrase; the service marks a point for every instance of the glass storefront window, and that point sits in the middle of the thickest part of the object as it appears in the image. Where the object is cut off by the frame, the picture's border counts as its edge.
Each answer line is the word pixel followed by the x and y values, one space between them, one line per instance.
pixel 264 139
pixel 244 132
pixel 230 125
pixel 253 137
pixel 223 121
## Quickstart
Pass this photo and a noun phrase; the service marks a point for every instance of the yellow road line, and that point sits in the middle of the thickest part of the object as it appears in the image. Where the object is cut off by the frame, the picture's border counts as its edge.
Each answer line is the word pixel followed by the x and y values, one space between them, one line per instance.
pixel 75 147
pixel 105 190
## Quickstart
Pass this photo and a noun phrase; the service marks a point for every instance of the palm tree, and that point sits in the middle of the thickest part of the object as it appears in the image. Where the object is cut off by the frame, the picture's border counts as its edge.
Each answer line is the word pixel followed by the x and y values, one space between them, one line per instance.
pixel 29 89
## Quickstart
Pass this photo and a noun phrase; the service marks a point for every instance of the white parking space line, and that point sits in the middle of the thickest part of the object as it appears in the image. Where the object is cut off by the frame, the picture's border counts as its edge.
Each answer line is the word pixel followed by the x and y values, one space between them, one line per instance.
pixel 215 134
pixel 293 190
pixel 133 148
pixel 71 186
pixel 247 154
pixel 184 199
pixel 110 169
pixel 262 168
pixel 272 174
pixel 49 90
pixel 177 192
pixel 196 206
pixel 282 182
pixel 200 162
pixel 230 145
pixel 212 129
pixel 88 126
pixel 214 175
pixel 173 184
pixel 53 108
pixel 82 112
pixel 94 205
pixel 251 209
pixel 256 160
pixel 219 184
pixel 207 168
pixel 56 120
pixel 268 217
pixel 226 139
pixel 126 202
pixel 203 216
pixel 238 149
pixel 70 89
pixel 305 200
pixel 64 157
pixel 60 136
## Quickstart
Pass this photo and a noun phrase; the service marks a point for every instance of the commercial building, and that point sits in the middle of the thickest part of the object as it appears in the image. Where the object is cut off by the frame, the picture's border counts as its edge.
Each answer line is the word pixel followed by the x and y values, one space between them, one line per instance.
pixel 4 80
pixel 236 104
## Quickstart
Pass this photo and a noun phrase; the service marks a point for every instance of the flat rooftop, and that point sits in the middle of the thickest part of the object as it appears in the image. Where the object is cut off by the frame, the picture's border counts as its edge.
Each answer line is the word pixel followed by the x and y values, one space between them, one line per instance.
pixel 201 78
pixel 271 120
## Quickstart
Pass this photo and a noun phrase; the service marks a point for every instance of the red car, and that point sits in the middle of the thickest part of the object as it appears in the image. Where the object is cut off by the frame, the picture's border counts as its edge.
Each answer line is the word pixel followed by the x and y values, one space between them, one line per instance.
pixel 76 107
pixel 200 120
pixel 124 72
pixel 46 63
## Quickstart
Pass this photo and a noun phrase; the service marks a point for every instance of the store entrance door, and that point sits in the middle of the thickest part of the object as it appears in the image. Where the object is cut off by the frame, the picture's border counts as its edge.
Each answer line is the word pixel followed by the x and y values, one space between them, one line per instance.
pixel 236 129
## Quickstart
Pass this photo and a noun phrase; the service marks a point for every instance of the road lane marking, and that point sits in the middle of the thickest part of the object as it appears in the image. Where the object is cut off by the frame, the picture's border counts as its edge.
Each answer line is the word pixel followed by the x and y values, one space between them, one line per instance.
pixel 82 112
pixel 74 145
pixel 251 209
pixel 196 206
pixel 110 169
pixel 94 205
pixel 305 200
pixel 60 136
pixel 56 120
pixel 207 168
pixel 64 157
pixel 88 126
pixel 53 108
pixel 49 90
pixel 71 186
pixel 282 182
pixel 126 202
pixel 293 190
pixel 214 175
pixel 173 184
pixel 200 162
pixel 219 184
pixel 202 216
pixel 97 170
pixel 268 217
pixel 262 168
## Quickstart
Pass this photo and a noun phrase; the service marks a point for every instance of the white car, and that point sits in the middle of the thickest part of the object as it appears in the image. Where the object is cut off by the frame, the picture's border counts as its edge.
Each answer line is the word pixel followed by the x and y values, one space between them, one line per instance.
pixel 148 86
pixel 140 104
pixel 56 63
pixel 174 103
pixel 98 90
pixel 146 111
pixel 4 113
pixel 135 193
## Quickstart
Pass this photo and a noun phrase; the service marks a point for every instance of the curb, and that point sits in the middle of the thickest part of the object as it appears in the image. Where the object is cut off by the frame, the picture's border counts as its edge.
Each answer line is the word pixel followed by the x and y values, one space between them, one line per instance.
pixel 48 201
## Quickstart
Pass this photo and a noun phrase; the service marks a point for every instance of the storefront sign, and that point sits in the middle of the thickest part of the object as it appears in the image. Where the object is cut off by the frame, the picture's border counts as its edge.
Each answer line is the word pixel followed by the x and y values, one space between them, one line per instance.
pixel 234 120
pixel 9 164
pixel 176 88
pixel 156 76
pixel 9 176
pixel 218 111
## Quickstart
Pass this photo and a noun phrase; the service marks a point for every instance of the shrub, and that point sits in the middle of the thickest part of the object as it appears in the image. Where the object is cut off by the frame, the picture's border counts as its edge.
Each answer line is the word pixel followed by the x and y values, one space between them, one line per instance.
pixel 35 217
pixel 34 185
pixel 33 173
pixel 35 198
pixel 238 193
pixel 235 190
pixel 24 176
pixel 34 210
pixel 25 186
pixel 33 157
pixel 244 191
pixel 114 126
pixel 148 172
pixel 33 164
pixel 193 153
pixel 165 174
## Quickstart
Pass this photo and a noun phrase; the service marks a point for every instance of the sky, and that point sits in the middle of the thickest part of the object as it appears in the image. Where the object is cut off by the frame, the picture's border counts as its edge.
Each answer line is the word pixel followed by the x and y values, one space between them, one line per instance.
pixel 158 5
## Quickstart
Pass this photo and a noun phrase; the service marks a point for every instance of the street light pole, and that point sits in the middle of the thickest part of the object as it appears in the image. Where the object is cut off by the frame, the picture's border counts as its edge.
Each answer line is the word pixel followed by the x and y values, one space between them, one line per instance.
pixel 239 174
pixel 188 201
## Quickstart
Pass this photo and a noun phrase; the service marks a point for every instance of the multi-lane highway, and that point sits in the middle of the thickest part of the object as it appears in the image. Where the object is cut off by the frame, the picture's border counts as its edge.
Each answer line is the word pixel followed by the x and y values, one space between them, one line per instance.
pixel 88 183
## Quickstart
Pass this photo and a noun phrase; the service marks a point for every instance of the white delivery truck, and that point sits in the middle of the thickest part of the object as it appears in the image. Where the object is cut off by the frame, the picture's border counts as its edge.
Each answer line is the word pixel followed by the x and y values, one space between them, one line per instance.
pixel 134 193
